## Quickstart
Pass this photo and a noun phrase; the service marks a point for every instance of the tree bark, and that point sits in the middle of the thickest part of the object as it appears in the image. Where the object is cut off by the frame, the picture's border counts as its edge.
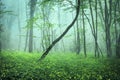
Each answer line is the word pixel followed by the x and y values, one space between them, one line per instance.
pixel 84 35
pixel 19 26
pixel 100 51
pixel 59 24
pixel 63 34
pixel 32 9
pixel 118 47
pixel 108 19
pixel 0 38
pixel 96 31
pixel 78 38
pixel 26 40
pixel 117 28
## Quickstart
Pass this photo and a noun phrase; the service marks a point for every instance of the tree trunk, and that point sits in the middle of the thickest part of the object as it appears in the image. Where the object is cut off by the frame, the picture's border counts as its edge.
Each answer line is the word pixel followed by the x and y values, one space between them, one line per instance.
pixel 116 32
pixel 117 28
pixel 78 38
pixel 118 47
pixel 0 38
pixel 63 34
pixel 107 28
pixel 93 34
pixel 32 9
pixel 26 40
pixel 19 26
pixel 59 24
pixel 101 10
pixel 84 36
pixel 94 29
pixel 27 17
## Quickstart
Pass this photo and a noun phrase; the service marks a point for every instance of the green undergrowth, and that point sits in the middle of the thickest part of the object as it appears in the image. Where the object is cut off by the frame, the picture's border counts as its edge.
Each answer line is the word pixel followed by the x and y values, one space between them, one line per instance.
pixel 57 66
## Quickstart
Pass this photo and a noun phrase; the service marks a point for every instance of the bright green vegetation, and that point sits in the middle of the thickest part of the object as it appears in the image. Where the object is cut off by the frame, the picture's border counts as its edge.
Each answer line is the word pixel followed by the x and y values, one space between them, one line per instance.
pixel 25 66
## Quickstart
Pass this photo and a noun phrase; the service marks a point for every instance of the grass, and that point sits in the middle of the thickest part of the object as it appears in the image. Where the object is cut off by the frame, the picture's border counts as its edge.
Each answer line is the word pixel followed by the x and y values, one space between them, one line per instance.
pixel 57 66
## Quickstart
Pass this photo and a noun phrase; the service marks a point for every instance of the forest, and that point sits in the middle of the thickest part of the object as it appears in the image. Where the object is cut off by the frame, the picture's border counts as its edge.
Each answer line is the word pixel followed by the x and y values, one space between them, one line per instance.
pixel 59 40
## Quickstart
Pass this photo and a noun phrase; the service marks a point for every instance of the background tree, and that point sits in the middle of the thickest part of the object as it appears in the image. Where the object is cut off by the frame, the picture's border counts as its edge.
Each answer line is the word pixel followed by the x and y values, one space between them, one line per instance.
pixel 19 26
pixel 84 35
pixel 116 26
pixel 94 26
pixel 1 10
pixel 32 10
pixel 108 19
pixel 27 28
pixel 59 25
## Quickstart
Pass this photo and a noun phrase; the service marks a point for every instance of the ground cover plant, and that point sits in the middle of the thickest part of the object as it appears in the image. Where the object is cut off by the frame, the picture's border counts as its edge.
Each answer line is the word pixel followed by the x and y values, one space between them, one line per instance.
pixel 57 66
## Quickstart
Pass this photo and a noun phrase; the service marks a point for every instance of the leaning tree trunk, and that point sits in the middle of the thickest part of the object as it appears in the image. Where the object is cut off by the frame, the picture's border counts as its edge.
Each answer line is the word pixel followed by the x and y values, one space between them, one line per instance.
pixel 63 34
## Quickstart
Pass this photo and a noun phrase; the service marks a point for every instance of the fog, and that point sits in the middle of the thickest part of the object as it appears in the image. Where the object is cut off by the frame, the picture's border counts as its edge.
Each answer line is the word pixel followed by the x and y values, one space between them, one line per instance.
pixel 15 30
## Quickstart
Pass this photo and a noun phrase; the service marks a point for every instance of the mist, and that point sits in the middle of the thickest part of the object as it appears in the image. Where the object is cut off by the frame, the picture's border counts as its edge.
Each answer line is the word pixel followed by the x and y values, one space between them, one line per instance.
pixel 49 28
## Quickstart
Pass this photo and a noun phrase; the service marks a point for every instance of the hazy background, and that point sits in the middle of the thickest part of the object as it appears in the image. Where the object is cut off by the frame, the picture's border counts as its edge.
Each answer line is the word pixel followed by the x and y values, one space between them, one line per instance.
pixel 20 14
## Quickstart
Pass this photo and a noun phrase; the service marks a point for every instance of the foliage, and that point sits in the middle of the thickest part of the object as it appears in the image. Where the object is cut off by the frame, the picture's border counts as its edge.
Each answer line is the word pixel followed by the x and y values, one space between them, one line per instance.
pixel 66 4
pixel 58 66
pixel 30 21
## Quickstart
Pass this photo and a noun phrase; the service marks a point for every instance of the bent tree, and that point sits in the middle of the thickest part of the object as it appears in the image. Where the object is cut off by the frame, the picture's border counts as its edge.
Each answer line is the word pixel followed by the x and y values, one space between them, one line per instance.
pixel 63 34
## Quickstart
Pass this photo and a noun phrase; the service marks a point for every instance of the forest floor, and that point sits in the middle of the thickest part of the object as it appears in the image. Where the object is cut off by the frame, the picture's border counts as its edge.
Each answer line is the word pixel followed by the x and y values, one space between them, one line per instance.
pixel 57 66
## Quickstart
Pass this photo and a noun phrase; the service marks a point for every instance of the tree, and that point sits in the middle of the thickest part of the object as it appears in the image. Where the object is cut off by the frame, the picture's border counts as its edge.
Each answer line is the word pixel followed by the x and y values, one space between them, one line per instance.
pixel 59 24
pixel 76 45
pixel 27 17
pixel 108 19
pixel 2 11
pixel 117 22
pixel 0 38
pixel 0 27
pixel 46 27
pixel 118 47
pixel 63 34
pixel 78 38
pixel 19 26
pixel 84 36
pixel 94 27
pixel 32 10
